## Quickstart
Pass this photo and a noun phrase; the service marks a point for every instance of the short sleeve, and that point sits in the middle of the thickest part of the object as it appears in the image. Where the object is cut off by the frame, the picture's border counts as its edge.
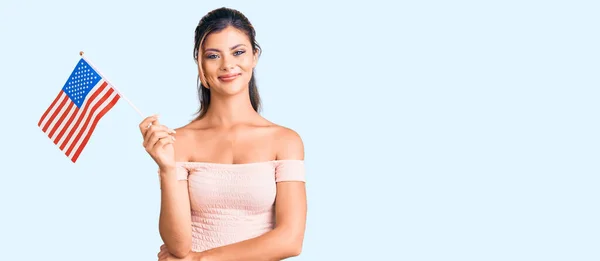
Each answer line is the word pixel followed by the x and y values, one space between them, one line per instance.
pixel 181 173
pixel 290 170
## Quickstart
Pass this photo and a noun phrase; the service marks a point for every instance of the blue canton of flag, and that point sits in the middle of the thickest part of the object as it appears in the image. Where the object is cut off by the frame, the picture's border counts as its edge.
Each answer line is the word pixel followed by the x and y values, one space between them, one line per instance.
pixel 81 81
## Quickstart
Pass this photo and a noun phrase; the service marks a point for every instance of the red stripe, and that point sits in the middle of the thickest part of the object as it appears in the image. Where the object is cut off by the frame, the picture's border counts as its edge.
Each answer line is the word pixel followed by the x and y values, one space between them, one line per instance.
pixel 50 108
pixel 66 126
pixel 93 127
pixel 62 118
pixel 64 100
pixel 87 120
pixel 83 112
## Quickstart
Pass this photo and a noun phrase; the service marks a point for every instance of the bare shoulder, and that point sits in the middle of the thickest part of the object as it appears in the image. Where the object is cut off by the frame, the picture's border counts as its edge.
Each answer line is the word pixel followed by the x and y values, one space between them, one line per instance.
pixel 184 140
pixel 183 132
pixel 288 142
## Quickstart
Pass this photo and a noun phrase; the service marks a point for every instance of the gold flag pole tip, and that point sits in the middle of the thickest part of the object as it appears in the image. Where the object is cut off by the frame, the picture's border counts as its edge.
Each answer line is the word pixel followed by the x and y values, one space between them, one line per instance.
pixel 81 53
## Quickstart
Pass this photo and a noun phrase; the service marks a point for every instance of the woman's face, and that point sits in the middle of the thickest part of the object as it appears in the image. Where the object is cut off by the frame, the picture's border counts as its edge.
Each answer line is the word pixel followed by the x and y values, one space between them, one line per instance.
pixel 227 61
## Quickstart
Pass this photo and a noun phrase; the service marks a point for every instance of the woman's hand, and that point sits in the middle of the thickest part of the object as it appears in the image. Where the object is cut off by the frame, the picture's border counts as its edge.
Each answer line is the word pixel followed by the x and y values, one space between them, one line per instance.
pixel 158 142
pixel 164 255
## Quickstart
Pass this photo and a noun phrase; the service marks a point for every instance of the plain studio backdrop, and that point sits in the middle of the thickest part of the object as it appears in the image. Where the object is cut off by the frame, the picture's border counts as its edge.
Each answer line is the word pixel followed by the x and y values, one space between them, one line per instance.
pixel 434 130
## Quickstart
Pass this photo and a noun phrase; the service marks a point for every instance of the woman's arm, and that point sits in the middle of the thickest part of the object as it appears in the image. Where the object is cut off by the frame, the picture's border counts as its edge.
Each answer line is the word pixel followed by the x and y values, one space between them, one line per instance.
pixel 285 240
pixel 175 217
pixel 175 220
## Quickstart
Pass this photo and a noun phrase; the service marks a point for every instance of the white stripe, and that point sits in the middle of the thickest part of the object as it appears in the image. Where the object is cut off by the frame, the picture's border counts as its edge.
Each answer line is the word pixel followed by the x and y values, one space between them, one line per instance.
pixel 63 139
pixel 62 111
pixel 90 123
pixel 63 123
pixel 52 110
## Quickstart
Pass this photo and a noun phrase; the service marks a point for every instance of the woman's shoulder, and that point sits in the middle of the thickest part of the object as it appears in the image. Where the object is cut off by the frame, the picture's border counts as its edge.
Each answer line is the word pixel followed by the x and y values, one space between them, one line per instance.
pixel 185 140
pixel 288 142
pixel 183 133
pixel 286 134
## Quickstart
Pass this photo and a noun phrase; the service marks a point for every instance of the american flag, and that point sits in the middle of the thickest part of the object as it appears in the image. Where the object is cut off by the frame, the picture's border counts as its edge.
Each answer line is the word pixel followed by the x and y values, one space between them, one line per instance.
pixel 73 115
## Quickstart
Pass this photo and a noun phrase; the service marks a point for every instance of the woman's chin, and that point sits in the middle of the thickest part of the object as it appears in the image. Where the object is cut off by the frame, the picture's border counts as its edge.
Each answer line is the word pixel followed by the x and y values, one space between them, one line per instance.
pixel 229 89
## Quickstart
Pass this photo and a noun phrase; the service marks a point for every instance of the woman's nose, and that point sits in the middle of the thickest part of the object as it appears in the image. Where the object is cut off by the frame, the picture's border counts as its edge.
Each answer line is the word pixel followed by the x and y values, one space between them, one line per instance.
pixel 227 63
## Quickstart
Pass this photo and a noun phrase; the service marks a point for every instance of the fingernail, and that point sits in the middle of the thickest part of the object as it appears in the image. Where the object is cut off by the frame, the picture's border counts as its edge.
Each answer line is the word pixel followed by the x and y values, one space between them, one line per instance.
pixel 172 137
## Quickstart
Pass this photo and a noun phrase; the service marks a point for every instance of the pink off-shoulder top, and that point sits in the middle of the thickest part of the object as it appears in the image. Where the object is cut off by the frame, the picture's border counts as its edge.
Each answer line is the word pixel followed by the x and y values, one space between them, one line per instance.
pixel 234 202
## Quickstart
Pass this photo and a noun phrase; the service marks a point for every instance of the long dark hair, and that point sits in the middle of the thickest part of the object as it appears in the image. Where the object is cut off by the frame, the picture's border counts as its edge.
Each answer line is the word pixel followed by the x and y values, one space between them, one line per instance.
pixel 215 21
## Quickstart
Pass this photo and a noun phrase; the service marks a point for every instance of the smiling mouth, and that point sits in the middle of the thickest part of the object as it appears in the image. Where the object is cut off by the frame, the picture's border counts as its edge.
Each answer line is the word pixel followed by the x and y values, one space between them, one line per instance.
pixel 229 77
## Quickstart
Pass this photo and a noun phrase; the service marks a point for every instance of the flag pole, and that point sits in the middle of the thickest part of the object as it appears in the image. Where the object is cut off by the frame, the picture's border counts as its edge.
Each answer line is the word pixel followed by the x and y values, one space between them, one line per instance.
pixel 114 87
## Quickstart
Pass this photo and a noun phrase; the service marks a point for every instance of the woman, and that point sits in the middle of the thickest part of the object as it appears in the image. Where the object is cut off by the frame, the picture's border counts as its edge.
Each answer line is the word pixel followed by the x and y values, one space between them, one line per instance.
pixel 232 183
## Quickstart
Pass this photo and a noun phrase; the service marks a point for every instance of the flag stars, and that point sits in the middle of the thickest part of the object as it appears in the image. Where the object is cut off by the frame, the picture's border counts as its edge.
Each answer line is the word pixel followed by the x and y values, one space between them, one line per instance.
pixel 83 78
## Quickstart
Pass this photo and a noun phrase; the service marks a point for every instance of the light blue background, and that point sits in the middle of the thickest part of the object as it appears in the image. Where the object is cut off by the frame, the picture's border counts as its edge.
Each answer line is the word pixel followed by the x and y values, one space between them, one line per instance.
pixel 434 130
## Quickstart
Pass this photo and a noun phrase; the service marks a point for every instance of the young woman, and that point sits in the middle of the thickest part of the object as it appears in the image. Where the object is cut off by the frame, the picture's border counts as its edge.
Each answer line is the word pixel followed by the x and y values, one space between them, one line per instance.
pixel 232 182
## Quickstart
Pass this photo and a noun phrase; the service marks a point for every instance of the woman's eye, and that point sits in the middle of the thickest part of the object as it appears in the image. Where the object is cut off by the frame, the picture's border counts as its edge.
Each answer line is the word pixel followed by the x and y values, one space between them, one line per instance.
pixel 212 56
pixel 240 52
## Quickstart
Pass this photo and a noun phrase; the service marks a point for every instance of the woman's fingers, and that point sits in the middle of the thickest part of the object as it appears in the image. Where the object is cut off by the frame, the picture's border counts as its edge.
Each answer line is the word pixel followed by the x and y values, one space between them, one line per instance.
pixel 164 141
pixel 157 137
pixel 151 131
pixel 154 128
pixel 162 252
pixel 155 134
pixel 146 123
pixel 167 140
pixel 149 139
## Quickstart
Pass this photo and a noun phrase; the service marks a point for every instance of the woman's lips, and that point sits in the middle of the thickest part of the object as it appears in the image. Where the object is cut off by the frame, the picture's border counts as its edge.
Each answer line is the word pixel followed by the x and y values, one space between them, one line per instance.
pixel 229 77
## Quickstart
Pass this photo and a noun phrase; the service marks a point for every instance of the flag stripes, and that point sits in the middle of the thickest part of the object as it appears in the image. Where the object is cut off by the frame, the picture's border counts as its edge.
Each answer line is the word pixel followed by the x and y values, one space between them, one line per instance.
pixel 70 126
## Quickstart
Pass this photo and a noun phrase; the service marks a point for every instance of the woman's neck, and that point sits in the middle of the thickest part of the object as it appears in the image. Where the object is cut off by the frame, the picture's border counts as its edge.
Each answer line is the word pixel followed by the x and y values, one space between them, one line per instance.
pixel 227 111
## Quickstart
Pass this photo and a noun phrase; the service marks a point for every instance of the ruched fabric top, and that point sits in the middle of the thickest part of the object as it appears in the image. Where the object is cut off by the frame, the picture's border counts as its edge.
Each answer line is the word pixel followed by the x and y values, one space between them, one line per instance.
pixel 234 202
